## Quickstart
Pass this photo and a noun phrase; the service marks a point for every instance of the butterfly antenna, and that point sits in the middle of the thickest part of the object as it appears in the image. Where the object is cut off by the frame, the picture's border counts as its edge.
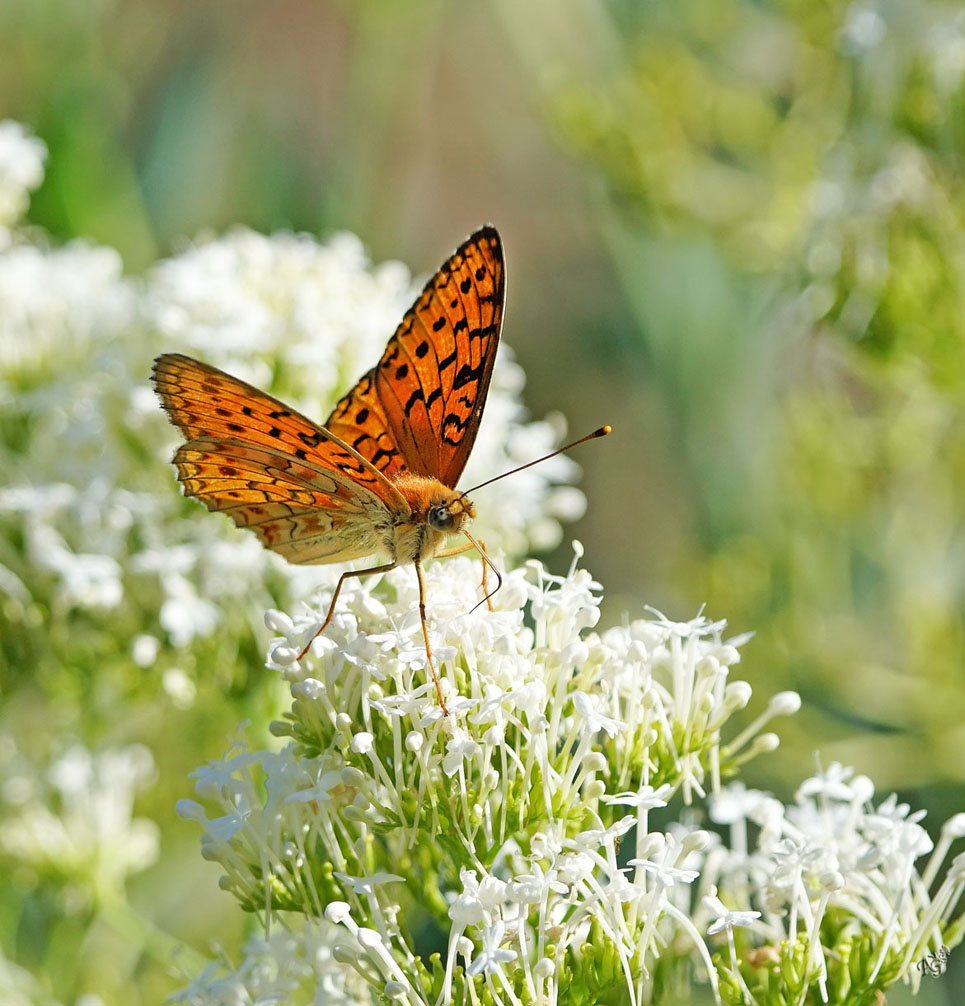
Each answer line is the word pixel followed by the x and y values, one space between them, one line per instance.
pixel 601 432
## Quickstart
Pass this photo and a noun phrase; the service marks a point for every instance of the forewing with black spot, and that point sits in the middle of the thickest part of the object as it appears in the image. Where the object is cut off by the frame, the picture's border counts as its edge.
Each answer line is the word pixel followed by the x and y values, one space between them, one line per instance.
pixel 432 381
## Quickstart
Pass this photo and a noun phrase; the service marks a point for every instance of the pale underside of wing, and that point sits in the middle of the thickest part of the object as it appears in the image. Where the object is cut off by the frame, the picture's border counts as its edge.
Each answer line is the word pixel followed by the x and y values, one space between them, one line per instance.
pixel 271 469
pixel 204 402
pixel 303 513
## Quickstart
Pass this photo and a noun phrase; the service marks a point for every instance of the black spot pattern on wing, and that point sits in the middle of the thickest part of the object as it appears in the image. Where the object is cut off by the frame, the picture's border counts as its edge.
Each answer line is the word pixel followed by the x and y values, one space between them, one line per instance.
pixel 433 378
pixel 210 406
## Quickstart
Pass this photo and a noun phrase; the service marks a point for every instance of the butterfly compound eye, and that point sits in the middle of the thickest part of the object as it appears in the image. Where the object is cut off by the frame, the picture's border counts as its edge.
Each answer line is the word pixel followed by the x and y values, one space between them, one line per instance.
pixel 440 519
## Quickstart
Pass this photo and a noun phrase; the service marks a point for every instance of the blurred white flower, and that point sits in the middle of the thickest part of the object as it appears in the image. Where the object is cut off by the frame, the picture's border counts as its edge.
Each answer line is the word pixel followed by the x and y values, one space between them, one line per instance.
pixel 179 687
pixel 293 964
pixel 77 822
pixel 724 918
pixel 18 986
pixel 58 305
pixel 22 159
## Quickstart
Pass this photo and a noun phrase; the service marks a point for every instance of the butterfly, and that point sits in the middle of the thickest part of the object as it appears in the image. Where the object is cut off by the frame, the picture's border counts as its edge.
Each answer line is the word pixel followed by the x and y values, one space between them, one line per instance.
pixel 379 475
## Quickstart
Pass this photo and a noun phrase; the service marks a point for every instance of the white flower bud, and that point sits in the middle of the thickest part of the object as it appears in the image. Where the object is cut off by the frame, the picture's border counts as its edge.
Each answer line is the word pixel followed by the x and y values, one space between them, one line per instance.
pixel 737 694
pixel 696 841
pixel 831 881
pixel 310 689
pixel 363 742
pixel 191 810
pixel 338 912
pixel 351 776
pixel 282 655
pixel 278 621
pixel 544 968
pixel 708 667
pixel 862 788
pixel 954 827
pixel 369 938
pixel 595 761
pixel 728 656
pixel 784 704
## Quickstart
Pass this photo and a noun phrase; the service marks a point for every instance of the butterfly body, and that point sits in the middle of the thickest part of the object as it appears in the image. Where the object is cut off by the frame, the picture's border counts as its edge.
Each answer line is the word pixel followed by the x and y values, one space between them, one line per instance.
pixel 379 476
pixel 435 513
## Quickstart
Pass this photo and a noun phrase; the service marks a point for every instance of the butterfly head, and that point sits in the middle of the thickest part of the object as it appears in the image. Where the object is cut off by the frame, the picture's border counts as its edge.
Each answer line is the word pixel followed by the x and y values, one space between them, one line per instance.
pixel 434 504
pixel 449 515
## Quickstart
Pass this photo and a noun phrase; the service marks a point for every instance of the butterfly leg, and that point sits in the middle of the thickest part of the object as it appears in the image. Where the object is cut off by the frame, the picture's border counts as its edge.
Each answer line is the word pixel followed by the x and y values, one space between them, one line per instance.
pixel 484 555
pixel 425 633
pixel 480 546
pixel 338 587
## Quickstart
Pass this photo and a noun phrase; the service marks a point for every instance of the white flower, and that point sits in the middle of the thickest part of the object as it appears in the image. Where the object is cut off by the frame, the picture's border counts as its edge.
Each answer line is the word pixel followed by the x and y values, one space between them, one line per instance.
pixel 832 783
pixel 184 615
pixel 666 875
pixel 593 720
pixel 273 969
pixel 368 885
pixel 21 170
pixel 535 886
pixel 461 748
pixel 93 839
pixel 58 308
pixel 646 798
pixel 536 699
pixel 724 918
pixel 492 955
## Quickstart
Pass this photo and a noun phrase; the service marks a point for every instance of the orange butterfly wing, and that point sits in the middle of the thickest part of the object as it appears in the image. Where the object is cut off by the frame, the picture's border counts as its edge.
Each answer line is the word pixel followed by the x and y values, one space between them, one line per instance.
pixel 420 407
pixel 359 420
pixel 270 468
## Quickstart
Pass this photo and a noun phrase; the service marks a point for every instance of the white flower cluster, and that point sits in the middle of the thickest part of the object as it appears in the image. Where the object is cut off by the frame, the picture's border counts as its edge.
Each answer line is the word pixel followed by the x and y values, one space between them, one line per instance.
pixel 877 188
pixel 833 857
pixel 75 820
pixel 90 504
pixel 504 817
pixel 21 170
pixel 283 967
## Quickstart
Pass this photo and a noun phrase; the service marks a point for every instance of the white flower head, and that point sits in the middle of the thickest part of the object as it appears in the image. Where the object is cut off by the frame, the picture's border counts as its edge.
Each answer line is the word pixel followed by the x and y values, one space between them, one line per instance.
pixel 22 159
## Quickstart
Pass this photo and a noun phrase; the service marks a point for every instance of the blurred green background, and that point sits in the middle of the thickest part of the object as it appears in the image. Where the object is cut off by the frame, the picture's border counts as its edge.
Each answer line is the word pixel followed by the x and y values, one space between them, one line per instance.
pixel 734 232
